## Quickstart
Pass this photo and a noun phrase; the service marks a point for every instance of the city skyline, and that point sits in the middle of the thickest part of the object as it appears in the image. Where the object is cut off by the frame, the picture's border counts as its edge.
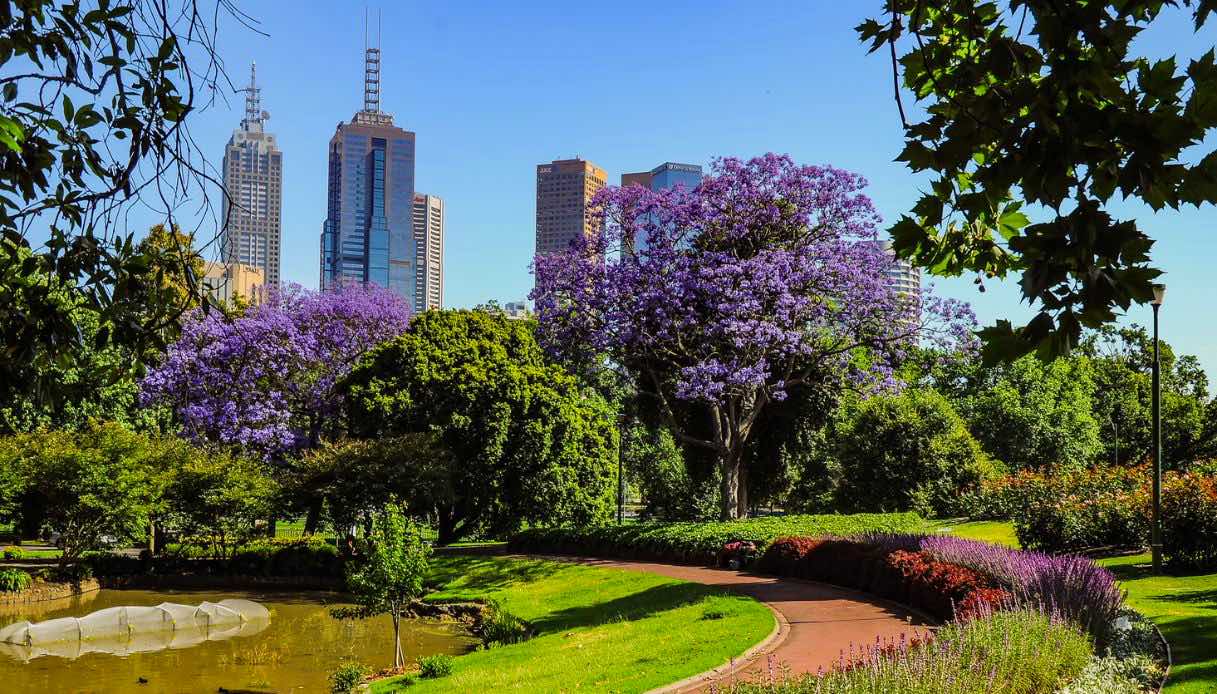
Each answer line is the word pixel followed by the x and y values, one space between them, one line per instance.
pixel 528 96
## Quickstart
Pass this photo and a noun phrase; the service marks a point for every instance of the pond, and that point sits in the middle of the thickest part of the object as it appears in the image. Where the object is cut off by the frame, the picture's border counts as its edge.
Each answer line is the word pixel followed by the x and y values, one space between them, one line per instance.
pixel 295 652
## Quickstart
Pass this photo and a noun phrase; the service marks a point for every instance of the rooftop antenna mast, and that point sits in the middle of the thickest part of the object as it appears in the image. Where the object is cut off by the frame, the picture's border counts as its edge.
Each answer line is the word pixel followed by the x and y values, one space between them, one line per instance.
pixel 253 97
pixel 371 67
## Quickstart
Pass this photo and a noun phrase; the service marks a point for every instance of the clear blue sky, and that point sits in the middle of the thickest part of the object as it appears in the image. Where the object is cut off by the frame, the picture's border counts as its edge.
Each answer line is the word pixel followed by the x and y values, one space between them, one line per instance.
pixel 492 89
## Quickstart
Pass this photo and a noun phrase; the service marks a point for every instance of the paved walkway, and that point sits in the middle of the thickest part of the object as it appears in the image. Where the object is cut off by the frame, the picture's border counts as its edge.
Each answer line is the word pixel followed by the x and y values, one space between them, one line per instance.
pixel 815 621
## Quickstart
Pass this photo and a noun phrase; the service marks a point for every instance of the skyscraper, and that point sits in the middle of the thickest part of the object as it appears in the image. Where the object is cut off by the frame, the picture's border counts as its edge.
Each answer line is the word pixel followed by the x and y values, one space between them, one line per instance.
pixel 368 233
pixel 564 189
pixel 253 191
pixel 666 175
pixel 429 252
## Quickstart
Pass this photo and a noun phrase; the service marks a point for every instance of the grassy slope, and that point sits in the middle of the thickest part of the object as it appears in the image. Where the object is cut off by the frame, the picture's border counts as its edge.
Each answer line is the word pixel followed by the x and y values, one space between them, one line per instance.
pixel 1184 607
pixel 598 629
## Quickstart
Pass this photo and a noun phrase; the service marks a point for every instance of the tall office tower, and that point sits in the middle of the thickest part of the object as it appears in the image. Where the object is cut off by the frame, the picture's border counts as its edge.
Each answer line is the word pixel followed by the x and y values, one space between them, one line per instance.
pixel 253 191
pixel 368 233
pixel 564 189
pixel 903 277
pixel 666 175
pixel 429 252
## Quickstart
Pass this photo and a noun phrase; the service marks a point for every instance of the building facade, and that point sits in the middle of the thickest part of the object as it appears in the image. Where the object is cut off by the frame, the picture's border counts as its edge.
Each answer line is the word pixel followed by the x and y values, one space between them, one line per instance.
pixel 666 175
pixel 368 233
pixel 226 282
pixel 253 191
pixel 564 190
pixel 429 252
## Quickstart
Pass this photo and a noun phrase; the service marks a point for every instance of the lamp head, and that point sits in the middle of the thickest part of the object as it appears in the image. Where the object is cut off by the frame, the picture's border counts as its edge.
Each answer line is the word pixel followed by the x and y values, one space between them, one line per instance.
pixel 1159 294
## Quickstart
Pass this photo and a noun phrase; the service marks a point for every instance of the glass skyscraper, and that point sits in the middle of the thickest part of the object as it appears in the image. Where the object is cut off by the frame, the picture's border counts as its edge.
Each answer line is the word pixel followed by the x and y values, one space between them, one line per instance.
pixel 666 175
pixel 368 234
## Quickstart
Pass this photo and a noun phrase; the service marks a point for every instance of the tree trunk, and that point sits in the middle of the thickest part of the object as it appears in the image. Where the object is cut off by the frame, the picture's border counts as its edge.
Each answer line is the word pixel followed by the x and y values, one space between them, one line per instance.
pixel 741 494
pixel 729 466
pixel 399 659
pixel 446 530
pixel 33 513
pixel 313 519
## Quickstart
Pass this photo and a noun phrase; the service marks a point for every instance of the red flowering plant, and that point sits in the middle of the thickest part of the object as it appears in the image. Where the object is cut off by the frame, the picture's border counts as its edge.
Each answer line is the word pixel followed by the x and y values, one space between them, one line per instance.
pixel 737 554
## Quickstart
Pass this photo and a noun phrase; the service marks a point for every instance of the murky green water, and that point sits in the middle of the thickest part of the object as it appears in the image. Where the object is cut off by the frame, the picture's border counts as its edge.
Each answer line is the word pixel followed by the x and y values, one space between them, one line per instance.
pixel 295 653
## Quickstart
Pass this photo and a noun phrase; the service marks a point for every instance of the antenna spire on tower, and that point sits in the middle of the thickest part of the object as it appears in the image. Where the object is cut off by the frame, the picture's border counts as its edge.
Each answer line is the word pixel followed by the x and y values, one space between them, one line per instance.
pixel 253 96
pixel 371 70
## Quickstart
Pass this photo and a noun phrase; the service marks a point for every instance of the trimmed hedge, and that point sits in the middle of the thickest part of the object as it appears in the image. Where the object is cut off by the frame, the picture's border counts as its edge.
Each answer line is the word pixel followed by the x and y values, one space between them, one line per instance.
pixel 310 557
pixel 702 543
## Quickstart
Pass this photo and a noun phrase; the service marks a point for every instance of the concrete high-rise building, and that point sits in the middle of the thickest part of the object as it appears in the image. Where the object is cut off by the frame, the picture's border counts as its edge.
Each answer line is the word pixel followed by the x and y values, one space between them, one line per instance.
pixel 253 191
pixel 368 233
pixel 903 277
pixel 666 175
pixel 429 252
pixel 564 191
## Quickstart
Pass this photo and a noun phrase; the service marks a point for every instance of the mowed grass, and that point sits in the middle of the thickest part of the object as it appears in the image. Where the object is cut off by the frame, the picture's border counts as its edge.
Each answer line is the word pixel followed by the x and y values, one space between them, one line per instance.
pixel 597 629
pixel 1183 606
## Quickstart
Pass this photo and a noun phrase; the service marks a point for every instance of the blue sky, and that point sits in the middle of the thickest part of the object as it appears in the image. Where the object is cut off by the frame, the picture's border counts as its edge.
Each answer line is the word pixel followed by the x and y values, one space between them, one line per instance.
pixel 492 89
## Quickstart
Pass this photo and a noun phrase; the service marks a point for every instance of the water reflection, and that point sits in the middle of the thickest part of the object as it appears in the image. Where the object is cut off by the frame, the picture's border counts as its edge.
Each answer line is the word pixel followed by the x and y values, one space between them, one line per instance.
pixel 293 651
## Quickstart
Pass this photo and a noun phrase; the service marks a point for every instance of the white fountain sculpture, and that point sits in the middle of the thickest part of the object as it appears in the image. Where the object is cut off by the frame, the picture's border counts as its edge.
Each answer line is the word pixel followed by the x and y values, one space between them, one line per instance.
pixel 125 630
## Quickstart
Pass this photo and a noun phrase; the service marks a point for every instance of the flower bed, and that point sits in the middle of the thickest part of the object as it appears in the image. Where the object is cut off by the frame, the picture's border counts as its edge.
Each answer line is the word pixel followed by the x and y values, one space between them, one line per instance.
pixel 702 543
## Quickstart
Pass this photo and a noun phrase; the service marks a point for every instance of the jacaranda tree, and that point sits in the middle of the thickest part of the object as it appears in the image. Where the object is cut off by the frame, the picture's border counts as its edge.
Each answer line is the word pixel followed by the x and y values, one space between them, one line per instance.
pixel 764 277
pixel 264 381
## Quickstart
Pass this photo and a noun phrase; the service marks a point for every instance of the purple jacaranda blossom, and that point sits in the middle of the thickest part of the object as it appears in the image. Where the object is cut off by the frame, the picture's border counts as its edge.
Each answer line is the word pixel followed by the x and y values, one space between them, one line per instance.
pixel 264 381
pixel 763 278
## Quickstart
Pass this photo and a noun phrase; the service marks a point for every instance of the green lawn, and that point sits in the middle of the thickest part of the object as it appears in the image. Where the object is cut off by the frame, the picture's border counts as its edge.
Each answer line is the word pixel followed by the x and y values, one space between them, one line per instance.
pixel 598 629
pixel 1183 607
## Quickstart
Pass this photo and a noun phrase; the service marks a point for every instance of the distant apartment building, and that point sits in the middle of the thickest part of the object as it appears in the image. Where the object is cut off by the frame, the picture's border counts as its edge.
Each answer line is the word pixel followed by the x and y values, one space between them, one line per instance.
pixel 429 252
pixel 666 175
pixel 902 276
pixel 516 310
pixel 368 235
pixel 564 191
pixel 225 282
pixel 253 191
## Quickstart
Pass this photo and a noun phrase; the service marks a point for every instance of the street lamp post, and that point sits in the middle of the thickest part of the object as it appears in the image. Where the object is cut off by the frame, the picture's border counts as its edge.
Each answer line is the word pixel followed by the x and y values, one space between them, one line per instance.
pixel 1155 540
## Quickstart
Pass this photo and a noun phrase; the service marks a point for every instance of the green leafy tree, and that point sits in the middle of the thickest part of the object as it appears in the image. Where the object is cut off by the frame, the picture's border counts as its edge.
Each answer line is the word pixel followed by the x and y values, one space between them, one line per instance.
pixel 1035 415
pixel 1050 103
pixel 217 497
pixel 904 452
pixel 1122 359
pixel 390 573
pixel 100 483
pixel 94 106
pixel 521 441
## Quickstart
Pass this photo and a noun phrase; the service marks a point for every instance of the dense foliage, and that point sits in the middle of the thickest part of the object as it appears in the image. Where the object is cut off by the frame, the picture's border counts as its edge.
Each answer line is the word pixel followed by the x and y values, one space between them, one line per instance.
pixel 1052 102
pixel 906 452
pixel 765 278
pixel 701 542
pixel 265 380
pixel 516 439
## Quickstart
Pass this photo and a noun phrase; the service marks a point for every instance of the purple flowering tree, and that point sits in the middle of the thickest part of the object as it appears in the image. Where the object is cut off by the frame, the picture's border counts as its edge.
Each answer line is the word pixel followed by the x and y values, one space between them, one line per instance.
pixel 264 381
pixel 765 277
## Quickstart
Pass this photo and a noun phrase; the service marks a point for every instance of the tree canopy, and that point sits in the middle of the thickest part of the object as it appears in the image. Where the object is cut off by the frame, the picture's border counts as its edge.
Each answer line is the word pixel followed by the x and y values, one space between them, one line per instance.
pixel 519 440
pixel 765 278
pixel 1046 103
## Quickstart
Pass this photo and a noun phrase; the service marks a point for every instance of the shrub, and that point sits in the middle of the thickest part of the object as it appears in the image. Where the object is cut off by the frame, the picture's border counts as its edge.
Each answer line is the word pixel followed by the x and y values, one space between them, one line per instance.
pixel 907 452
pixel 435 666
pixel 11 553
pixel 1189 521
pixel 501 628
pixel 1017 651
pixel 347 677
pixel 308 556
pixel 14 580
pixel 1110 675
pixel 700 543
pixel 1071 510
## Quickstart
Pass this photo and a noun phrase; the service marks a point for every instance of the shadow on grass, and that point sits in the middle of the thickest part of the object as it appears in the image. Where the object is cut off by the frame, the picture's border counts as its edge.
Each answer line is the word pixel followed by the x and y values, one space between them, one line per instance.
pixel 1194 596
pixel 1193 643
pixel 627 608
pixel 483 574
